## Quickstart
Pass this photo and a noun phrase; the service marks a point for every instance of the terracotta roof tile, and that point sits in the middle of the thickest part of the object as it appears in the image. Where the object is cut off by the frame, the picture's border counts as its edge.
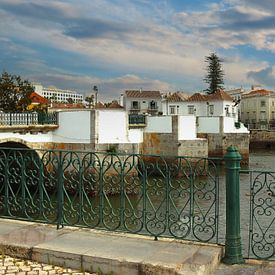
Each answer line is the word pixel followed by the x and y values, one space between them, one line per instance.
pixel 197 97
pixel 260 92
pixel 218 95
pixel 143 94
pixel 177 97
pixel 114 105
pixel 36 98
pixel 99 105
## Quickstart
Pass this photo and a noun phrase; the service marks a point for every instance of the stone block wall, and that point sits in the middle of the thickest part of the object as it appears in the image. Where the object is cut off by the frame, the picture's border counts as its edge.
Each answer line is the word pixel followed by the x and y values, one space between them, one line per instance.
pixel 218 144
pixel 262 139
pixel 193 148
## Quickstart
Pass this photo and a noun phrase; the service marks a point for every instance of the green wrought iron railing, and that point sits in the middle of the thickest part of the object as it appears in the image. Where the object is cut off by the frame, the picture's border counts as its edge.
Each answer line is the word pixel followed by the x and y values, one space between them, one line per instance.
pixel 146 194
pixel 261 237
pixel 137 119
pixel 28 118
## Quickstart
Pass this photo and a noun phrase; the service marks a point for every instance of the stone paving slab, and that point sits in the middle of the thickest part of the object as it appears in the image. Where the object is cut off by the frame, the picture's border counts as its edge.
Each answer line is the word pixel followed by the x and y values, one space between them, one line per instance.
pixel 256 268
pixel 91 250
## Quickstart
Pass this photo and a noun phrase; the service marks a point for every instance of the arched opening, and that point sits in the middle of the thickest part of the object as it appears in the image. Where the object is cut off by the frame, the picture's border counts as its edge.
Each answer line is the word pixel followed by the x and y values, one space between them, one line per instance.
pixel 21 172
pixel 13 144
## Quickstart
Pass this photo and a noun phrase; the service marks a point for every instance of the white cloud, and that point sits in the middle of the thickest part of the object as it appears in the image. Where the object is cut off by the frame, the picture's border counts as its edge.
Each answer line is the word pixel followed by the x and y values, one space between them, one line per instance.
pixel 144 39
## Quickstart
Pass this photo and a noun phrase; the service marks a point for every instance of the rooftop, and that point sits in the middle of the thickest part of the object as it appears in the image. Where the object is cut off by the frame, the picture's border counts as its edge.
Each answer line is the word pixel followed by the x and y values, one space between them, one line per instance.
pixel 219 95
pixel 143 94
pixel 177 97
pixel 257 93
pixel 36 98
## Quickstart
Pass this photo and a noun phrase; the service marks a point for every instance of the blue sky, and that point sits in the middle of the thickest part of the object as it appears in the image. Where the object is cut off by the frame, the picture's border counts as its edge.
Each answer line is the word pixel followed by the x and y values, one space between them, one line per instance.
pixel 132 44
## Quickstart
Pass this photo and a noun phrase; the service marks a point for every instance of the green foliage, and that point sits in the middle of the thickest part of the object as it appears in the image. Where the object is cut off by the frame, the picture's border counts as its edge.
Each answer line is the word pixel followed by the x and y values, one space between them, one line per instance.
pixel 90 100
pixel 14 93
pixel 70 100
pixel 215 74
pixel 112 149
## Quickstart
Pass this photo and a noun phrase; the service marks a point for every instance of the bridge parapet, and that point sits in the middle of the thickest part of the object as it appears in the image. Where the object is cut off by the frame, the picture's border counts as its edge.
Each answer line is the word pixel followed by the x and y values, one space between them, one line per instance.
pixel 28 122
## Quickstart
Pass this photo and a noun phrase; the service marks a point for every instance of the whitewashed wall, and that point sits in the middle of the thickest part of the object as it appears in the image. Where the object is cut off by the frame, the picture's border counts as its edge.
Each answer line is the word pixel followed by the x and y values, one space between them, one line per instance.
pixel 209 125
pixel 229 126
pixel 187 128
pixel 158 124
pixel 135 135
pixel 74 127
pixel 26 137
pixel 112 126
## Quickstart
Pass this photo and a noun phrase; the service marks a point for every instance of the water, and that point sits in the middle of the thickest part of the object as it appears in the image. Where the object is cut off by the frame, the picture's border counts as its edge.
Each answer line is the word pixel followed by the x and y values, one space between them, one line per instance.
pixel 262 159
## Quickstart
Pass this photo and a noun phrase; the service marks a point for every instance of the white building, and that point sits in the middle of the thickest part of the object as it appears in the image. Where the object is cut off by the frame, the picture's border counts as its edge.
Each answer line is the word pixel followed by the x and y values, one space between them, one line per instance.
pixel 58 95
pixel 173 104
pixel 142 102
pixel 216 104
pixel 258 109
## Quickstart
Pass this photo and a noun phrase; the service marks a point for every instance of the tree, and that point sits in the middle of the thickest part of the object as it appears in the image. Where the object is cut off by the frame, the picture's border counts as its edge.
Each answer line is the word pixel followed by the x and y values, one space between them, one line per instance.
pixel 215 74
pixel 90 100
pixel 70 100
pixel 14 93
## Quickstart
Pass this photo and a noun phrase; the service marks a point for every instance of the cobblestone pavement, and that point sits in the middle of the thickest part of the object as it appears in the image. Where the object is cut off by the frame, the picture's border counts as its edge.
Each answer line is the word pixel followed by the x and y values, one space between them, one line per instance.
pixel 9 265
pixel 245 269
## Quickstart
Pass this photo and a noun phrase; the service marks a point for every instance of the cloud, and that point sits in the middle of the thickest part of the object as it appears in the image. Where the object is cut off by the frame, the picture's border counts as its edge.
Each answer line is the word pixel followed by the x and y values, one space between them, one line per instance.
pixel 235 25
pixel 108 88
pixel 73 43
pixel 96 28
pixel 265 76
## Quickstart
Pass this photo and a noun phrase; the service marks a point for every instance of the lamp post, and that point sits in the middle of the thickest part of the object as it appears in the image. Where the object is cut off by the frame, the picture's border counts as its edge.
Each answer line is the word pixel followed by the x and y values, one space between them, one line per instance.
pixel 95 89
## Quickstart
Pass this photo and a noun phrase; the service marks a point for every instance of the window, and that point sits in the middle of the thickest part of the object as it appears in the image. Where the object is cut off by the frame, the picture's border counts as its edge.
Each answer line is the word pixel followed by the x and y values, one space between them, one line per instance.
pixel 191 109
pixel 135 105
pixel 227 110
pixel 210 110
pixel 262 103
pixel 153 105
pixel 262 115
pixel 172 110
pixel 273 115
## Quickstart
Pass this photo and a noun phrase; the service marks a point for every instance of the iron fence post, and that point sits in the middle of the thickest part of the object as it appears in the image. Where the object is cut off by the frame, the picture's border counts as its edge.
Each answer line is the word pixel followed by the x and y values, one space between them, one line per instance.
pixel 233 248
pixel 60 193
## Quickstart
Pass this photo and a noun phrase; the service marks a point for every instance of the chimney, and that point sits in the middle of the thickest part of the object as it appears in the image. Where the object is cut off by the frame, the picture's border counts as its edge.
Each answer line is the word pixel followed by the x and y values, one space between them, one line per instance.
pixel 121 101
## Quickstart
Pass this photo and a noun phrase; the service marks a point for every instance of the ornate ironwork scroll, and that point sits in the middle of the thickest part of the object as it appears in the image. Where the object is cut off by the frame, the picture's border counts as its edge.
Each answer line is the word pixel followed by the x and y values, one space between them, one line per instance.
pixel 155 195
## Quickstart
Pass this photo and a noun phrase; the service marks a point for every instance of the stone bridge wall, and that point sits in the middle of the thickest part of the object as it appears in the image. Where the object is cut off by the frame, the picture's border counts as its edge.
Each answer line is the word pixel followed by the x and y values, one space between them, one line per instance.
pixel 262 139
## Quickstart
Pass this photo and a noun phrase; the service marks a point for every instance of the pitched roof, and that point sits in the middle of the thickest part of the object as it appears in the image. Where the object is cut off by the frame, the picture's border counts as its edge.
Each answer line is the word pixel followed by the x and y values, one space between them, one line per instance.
pixel 197 97
pixel 142 94
pixel 114 105
pixel 219 95
pixel 261 92
pixel 177 97
pixel 36 98
pixel 99 105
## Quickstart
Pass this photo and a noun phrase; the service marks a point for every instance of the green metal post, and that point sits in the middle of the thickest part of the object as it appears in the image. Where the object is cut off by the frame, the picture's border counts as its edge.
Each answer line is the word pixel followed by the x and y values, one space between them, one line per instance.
pixel 233 248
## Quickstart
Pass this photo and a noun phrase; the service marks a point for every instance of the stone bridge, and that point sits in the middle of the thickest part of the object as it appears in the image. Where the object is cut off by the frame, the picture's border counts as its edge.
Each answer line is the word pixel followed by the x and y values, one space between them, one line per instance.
pixel 262 138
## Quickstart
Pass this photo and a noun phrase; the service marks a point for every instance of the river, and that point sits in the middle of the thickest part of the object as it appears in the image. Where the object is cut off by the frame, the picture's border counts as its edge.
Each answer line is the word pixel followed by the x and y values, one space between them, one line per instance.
pixel 262 159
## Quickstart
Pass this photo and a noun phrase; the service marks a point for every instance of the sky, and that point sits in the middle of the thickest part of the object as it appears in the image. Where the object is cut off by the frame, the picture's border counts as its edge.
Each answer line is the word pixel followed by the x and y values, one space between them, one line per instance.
pixel 137 44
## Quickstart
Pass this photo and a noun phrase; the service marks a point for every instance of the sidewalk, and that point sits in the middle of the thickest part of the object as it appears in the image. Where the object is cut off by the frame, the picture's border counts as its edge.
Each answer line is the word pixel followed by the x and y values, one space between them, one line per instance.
pixel 91 250
pixel 79 250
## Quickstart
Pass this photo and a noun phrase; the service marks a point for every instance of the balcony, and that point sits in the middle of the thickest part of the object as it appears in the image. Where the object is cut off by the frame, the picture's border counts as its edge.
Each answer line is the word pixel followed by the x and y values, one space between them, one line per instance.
pixel 135 109
pixel 153 110
pixel 137 120
pixel 262 121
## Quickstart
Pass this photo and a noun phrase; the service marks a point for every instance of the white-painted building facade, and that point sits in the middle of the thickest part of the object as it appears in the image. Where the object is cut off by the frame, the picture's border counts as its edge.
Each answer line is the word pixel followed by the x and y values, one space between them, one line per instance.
pixel 58 95
pixel 173 104
pixel 142 102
